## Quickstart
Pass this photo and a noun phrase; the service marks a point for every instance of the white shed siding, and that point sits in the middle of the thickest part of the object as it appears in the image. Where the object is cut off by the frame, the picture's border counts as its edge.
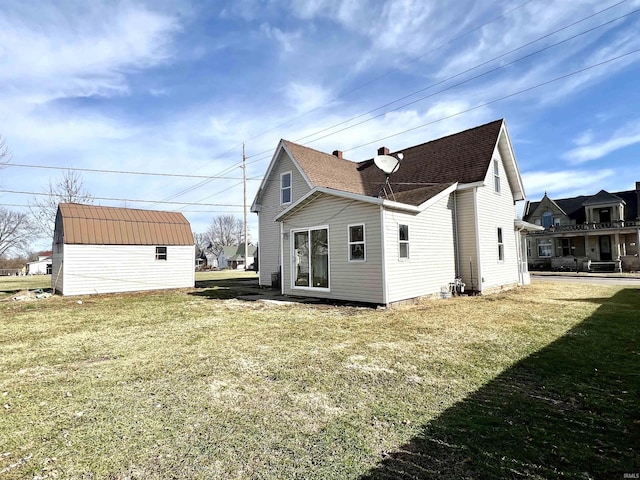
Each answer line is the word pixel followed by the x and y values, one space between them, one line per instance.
pixel 354 281
pixel 467 238
pixel 89 269
pixel 431 263
pixel 497 210
pixel 269 230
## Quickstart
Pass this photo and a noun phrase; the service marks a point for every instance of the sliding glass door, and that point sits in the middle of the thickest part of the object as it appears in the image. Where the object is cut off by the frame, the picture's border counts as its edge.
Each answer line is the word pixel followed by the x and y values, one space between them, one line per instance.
pixel 311 258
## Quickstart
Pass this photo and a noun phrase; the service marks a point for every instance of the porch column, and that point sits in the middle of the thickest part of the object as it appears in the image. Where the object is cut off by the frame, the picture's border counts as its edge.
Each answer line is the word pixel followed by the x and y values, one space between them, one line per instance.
pixel 617 242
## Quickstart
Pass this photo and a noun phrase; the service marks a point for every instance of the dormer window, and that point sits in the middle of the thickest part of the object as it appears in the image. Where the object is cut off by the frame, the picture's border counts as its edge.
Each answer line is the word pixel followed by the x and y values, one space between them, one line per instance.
pixel 496 176
pixel 285 188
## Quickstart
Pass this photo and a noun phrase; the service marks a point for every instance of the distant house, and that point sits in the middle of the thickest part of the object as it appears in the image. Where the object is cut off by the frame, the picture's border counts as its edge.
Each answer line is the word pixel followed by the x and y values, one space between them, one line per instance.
pixel 42 266
pixel 108 249
pixel 334 228
pixel 233 256
pixel 588 232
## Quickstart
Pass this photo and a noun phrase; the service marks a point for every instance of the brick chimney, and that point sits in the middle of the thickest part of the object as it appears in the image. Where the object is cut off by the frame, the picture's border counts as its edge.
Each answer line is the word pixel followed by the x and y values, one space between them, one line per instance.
pixel 383 151
pixel 337 153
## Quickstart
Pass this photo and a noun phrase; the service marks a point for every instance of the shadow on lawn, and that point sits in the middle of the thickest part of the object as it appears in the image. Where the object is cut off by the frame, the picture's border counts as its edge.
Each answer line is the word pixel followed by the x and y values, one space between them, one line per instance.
pixel 570 410
pixel 226 288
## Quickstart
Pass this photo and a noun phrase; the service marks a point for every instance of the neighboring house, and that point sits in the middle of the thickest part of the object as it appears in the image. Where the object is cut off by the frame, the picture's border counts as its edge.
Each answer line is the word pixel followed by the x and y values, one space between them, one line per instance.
pixel 597 232
pixel 42 266
pixel 327 227
pixel 108 249
pixel 233 256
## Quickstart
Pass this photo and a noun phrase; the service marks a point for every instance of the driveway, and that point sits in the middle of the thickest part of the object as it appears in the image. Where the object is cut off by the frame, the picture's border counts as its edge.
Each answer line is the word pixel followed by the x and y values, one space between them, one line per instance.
pixel 592 278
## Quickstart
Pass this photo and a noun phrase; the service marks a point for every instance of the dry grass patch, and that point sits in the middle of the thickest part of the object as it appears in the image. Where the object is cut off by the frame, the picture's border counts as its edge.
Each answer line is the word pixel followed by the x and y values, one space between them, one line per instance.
pixel 177 385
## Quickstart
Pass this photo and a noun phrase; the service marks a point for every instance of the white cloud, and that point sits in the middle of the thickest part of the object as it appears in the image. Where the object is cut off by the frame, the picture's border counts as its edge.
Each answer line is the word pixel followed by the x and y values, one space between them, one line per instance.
pixel 590 149
pixel 287 40
pixel 303 97
pixel 80 52
pixel 565 183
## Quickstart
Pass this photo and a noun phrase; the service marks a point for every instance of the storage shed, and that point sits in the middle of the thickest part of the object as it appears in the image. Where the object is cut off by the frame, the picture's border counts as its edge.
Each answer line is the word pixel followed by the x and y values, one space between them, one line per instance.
pixel 109 249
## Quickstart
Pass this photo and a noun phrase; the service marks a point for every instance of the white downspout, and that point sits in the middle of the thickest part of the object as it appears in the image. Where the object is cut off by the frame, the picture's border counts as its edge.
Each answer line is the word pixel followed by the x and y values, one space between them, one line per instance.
pixel 281 258
pixel 477 222
pixel 455 226
pixel 385 293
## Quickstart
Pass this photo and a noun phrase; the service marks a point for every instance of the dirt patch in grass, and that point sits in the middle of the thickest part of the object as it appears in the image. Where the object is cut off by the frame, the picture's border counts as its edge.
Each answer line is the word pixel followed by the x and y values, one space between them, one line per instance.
pixel 175 385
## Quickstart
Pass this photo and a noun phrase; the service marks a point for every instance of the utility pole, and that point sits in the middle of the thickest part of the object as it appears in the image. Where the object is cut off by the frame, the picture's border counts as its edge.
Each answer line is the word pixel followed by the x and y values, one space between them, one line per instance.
pixel 244 184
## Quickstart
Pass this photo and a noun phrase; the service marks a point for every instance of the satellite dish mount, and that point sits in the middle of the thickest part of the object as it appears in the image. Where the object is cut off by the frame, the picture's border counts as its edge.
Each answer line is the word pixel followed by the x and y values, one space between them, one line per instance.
pixel 389 165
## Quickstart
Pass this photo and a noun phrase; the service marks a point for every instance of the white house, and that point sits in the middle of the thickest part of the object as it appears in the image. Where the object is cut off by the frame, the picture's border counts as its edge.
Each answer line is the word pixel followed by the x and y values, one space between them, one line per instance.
pixel 108 249
pixel 333 228
pixel 42 266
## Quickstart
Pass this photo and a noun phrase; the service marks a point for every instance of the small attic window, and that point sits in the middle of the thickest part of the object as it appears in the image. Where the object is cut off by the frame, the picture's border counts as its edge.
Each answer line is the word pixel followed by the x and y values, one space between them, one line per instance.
pixel 285 188
pixel 496 175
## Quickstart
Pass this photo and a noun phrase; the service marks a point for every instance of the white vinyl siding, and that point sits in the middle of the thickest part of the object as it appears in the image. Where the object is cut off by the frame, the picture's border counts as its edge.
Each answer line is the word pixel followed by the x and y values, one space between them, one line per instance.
pixel 354 281
pixel 493 211
pixel 269 230
pixel 431 264
pixel 91 269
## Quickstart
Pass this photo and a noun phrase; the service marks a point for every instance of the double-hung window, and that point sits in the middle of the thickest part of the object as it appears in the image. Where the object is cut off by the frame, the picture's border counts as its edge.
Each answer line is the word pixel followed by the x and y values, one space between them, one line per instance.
pixel 500 245
pixel 496 176
pixel 285 188
pixel 356 243
pixel 403 241
pixel 544 248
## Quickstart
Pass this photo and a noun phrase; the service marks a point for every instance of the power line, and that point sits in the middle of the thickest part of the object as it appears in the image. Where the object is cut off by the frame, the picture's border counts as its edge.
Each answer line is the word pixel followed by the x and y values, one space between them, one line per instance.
pixel 125 172
pixel 389 72
pixel 130 199
pixel 505 65
pixel 459 74
pixel 519 92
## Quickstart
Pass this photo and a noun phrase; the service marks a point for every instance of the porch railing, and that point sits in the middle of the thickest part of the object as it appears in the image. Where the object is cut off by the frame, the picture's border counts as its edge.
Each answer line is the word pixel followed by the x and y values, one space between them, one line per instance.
pixel 616 224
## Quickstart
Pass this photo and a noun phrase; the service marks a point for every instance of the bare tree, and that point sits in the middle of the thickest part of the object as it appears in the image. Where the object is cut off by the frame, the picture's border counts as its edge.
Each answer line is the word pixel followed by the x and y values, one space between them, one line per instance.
pixel 67 189
pixel 224 230
pixel 5 154
pixel 16 231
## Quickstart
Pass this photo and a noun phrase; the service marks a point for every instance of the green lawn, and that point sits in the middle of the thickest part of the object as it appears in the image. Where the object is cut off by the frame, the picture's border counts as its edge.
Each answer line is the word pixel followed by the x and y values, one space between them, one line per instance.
pixel 540 382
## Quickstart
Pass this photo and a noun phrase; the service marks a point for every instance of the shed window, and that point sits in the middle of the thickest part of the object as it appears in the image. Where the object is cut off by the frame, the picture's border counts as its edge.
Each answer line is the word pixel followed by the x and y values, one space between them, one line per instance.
pixel 161 253
pixel 496 176
pixel 356 243
pixel 285 188
pixel 500 245
pixel 403 238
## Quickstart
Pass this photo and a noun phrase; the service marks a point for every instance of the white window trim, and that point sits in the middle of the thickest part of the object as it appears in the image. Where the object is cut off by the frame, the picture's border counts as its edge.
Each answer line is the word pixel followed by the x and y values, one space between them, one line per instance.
pixel 292 243
pixel 290 187
pixel 496 176
pixel 545 242
pixel 363 242
pixel 408 242
pixel 500 233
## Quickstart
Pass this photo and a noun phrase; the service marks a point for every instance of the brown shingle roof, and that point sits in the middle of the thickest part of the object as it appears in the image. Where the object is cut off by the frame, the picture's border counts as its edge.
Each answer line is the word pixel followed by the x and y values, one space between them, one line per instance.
pixel 426 169
pixel 93 225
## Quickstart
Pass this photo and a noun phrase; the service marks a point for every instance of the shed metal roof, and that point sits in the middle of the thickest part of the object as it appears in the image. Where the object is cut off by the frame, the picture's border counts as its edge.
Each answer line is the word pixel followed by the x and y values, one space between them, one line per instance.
pixel 95 225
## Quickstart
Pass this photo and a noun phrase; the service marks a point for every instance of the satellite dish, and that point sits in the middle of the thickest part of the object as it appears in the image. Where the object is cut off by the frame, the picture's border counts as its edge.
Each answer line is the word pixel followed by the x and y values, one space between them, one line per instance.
pixel 387 163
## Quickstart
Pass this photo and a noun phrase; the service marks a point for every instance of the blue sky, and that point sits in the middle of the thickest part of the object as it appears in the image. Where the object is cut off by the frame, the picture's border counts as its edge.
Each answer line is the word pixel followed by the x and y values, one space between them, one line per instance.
pixel 176 87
